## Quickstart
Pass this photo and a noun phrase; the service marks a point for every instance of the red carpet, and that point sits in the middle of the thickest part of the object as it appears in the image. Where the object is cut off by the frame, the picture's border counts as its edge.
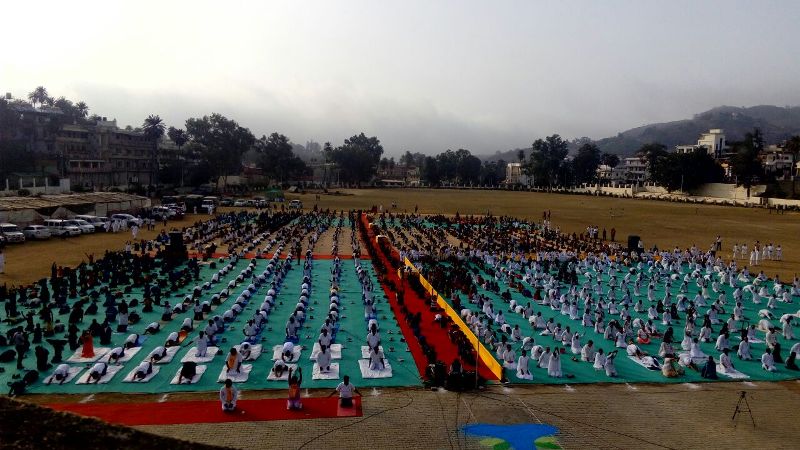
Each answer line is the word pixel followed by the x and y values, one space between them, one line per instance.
pixel 435 335
pixel 209 411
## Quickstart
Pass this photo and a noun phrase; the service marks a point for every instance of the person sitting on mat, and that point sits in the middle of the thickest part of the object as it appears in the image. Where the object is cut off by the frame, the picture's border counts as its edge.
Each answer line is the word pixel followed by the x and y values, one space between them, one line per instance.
pixel 376 362
pixel 324 359
pixel 279 367
pixel 228 395
pixel 188 371
pixel 98 371
pixel 345 389
pixel 116 354
pixel 158 353
pixel 143 370
pixel 287 354
pixel 172 340
pixel 373 337
pixel 202 345
pixel 245 350
pixel 295 379
pixel 233 362
pixel 709 369
pixel 60 374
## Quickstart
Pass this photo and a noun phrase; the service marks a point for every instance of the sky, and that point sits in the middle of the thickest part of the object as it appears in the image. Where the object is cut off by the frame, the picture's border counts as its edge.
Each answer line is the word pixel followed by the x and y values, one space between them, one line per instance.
pixel 420 75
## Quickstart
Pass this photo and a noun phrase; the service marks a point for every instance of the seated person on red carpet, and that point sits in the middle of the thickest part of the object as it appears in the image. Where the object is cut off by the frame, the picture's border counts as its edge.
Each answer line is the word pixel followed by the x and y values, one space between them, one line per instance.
pixel 294 389
pixel 345 389
pixel 228 395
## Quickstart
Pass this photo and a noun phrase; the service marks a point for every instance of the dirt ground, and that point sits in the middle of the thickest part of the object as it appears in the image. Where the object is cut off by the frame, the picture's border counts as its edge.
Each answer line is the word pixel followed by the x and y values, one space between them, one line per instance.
pixel 665 224
pixel 587 416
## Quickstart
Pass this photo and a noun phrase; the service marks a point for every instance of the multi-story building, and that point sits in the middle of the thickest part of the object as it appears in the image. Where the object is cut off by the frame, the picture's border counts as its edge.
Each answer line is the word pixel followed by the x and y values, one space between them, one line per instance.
pixel 778 162
pixel 635 169
pixel 713 142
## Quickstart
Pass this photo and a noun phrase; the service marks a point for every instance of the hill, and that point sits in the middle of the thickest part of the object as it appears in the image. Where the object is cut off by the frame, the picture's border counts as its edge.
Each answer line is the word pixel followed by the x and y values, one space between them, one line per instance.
pixel 777 123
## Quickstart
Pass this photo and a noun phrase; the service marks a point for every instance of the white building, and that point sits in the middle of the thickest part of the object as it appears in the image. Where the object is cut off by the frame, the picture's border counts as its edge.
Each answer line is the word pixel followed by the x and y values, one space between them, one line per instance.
pixel 712 142
pixel 515 175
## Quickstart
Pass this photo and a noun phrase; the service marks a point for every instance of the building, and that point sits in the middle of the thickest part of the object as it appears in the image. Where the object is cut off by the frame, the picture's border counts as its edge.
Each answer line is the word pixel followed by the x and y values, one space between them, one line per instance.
pixel 713 142
pixel 635 169
pixel 778 162
pixel 515 174
pixel 103 155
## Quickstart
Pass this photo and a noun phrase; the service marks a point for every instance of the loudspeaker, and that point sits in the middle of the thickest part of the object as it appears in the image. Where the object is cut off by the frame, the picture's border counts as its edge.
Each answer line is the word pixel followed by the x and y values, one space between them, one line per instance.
pixel 633 242
pixel 176 250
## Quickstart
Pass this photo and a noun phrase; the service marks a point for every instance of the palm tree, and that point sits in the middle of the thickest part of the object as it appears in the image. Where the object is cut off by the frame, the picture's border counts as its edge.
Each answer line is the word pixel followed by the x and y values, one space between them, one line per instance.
pixel 39 95
pixel 153 129
pixel 179 137
pixel 82 109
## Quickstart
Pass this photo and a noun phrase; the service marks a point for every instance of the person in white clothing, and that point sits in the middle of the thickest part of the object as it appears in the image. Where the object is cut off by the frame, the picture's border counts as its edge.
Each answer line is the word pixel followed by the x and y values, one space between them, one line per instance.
pixel 345 389
pixel 767 361
pixel 60 374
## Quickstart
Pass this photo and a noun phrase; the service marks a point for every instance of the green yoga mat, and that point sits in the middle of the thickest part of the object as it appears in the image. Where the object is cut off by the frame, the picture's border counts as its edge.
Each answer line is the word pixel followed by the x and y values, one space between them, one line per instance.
pixel 352 335
pixel 628 370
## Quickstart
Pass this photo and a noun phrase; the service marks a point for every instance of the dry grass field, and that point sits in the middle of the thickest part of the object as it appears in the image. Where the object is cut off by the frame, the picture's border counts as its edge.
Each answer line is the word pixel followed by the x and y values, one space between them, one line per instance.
pixel 663 223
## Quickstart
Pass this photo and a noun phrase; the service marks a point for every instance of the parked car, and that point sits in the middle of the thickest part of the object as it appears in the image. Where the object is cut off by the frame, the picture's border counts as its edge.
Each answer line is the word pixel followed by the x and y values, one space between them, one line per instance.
pixel 295 204
pixel 240 203
pixel 11 233
pixel 36 232
pixel 82 225
pixel 178 207
pixel 162 212
pixel 227 201
pixel 131 220
pixel 59 227
pixel 99 223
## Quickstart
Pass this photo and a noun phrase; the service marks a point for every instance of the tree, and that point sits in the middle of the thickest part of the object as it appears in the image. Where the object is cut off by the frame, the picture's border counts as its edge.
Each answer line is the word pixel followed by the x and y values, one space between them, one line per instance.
pixel 468 167
pixel 430 171
pixel 357 159
pixel 153 128
pixel 686 171
pixel 586 162
pixel 82 109
pixel 610 159
pixel 652 154
pixel 793 147
pixel 547 157
pixel 39 95
pixel 223 143
pixel 745 164
pixel 277 160
pixel 521 155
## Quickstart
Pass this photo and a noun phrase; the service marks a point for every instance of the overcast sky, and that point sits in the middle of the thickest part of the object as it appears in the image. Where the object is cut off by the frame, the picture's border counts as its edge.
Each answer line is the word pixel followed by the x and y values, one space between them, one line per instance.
pixel 421 75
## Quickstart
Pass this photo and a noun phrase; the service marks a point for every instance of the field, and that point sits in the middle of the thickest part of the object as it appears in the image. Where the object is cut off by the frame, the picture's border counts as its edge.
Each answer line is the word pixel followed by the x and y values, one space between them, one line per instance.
pixel 663 223
pixel 586 415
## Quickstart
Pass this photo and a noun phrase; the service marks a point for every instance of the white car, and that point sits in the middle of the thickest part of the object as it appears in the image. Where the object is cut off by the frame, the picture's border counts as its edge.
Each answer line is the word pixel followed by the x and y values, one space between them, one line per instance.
pixel 127 218
pixel 36 232
pixel 161 212
pixel 295 204
pixel 11 232
pixel 59 227
pixel 82 225
pixel 99 223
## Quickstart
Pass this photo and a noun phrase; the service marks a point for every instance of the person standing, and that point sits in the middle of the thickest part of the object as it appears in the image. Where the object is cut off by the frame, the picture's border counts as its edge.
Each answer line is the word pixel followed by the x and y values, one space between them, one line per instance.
pixel 2 261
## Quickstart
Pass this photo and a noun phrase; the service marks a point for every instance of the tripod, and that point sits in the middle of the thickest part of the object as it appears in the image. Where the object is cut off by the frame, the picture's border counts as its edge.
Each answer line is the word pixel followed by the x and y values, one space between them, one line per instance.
pixel 743 406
